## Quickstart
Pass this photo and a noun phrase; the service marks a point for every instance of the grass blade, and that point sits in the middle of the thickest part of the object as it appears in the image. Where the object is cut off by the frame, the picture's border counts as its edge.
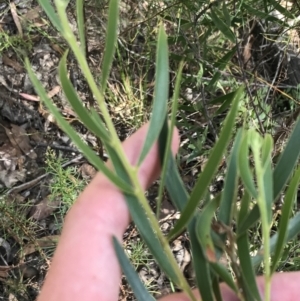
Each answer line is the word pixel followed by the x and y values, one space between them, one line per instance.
pixel 132 277
pixel 161 93
pixel 210 168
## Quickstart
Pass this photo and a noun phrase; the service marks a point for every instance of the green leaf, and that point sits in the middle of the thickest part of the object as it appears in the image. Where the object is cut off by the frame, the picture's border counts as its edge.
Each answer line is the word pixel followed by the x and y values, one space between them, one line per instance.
pixel 223 27
pixel 221 65
pixel 203 229
pixel 261 14
pixel 81 24
pixel 247 270
pixel 281 174
pixel 226 14
pixel 86 150
pixel 110 42
pixel 210 168
pixel 292 231
pixel 217 290
pixel 178 193
pixel 222 271
pixel 267 177
pixel 249 220
pixel 287 161
pixel 267 149
pixel 141 220
pixel 157 245
pixel 161 91
pixel 222 99
pixel 96 127
pixel 167 135
pixel 281 9
pixel 51 14
pixel 132 277
pixel 230 184
pixel 245 206
pixel 285 215
pixel 201 265
pixel 179 197
pixel 244 167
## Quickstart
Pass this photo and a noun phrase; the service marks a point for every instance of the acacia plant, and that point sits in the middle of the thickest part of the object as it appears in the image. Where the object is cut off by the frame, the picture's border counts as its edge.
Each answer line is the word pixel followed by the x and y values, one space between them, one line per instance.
pixel 247 197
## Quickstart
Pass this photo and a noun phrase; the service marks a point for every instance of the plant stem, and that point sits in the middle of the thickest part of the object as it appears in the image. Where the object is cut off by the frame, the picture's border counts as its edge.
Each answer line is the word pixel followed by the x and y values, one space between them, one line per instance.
pixel 115 143
pixel 256 145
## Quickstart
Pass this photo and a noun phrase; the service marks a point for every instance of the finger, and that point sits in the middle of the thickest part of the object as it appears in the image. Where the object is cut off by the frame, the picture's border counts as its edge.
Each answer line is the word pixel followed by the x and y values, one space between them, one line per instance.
pixel 84 266
pixel 285 287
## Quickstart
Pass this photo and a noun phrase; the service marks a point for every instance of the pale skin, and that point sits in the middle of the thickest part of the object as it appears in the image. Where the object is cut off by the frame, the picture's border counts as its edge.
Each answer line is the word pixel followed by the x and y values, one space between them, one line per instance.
pixel 85 267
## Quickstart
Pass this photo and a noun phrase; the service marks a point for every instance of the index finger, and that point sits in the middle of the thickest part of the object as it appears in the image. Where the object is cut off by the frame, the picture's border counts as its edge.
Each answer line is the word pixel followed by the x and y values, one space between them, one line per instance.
pixel 85 266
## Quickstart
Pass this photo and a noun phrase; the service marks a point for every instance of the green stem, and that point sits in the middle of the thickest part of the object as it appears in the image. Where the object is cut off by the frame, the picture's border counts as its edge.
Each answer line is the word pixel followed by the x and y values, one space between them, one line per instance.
pixel 116 144
pixel 262 203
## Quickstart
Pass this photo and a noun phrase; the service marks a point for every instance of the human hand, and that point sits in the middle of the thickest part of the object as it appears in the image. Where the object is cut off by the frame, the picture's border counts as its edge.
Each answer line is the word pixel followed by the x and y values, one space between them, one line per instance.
pixel 85 267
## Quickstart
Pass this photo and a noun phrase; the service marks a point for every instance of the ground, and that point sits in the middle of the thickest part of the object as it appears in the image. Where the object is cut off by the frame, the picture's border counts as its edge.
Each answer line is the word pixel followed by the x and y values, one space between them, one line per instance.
pixel 42 172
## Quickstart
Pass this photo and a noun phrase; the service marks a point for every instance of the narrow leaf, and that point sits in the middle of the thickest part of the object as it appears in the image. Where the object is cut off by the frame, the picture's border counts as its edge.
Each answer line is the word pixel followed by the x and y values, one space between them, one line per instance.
pixel 132 277
pixel 248 275
pixel 203 229
pixel 157 245
pixel 230 187
pixel 285 215
pixel 167 135
pixel 51 14
pixel 161 91
pixel 242 214
pixel 292 231
pixel 210 168
pixel 223 27
pixel 81 24
pixel 282 172
pixel 221 64
pixel 86 150
pixel 281 9
pixel 201 265
pixel 244 167
pixel 110 41
pixel 221 271
pixel 261 14
pixel 287 161
pixel 95 127
pixel 179 197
